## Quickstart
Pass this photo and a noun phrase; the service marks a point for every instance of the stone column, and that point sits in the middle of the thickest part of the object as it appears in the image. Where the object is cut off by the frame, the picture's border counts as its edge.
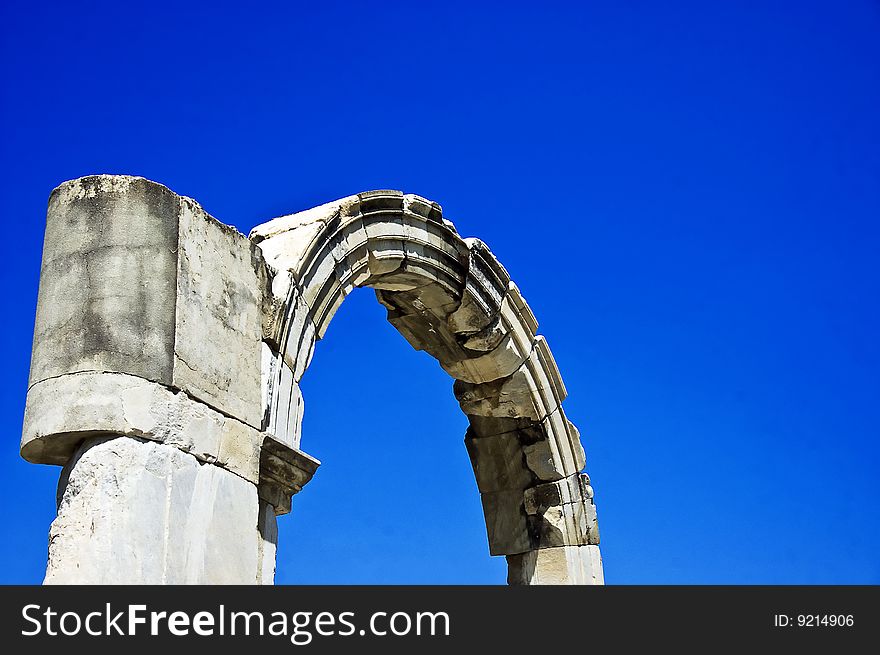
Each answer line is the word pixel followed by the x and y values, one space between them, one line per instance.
pixel 133 511
pixel 145 386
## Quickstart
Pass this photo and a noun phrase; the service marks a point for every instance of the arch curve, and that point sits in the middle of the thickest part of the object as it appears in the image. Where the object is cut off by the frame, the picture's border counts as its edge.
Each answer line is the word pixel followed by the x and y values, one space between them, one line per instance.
pixel 450 297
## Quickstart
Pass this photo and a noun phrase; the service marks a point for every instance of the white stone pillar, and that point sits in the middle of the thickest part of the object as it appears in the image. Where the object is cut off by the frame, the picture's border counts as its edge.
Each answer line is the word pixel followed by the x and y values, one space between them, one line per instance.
pixel 139 512
pixel 562 565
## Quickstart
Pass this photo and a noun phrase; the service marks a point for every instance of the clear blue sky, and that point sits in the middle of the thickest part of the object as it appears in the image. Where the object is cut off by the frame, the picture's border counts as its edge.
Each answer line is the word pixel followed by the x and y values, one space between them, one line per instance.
pixel 687 193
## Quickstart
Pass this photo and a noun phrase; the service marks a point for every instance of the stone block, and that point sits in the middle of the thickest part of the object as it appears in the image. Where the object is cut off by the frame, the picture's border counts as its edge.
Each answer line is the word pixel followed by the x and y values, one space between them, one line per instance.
pixel 60 412
pixel 551 447
pixel 485 287
pixel 506 524
pixel 284 471
pixel 299 334
pixel 511 336
pixel 217 317
pixel 498 462
pixel 533 391
pixel 562 513
pixel 108 280
pixel 139 512
pixel 565 565
pixel 140 281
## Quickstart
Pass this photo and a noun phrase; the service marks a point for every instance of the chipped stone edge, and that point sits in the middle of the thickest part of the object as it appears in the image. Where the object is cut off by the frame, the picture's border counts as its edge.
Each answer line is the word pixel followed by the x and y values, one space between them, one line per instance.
pixel 61 412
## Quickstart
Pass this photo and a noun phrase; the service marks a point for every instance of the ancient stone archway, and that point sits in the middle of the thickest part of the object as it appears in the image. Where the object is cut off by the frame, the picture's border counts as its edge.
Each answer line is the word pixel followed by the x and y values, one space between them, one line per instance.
pixel 158 324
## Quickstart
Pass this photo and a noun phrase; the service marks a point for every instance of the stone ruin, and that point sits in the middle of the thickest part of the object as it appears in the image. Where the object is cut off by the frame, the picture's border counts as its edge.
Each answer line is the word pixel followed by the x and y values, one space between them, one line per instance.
pixel 167 355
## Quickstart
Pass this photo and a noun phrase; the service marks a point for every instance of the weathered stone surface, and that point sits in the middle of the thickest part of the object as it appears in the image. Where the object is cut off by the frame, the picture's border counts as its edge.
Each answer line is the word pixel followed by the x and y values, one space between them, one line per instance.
pixel 139 280
pixel 108 280
pixel 573 489
pixel 487 426
pixel 139 512
pixel 485 288
pixel 218 321
pixel 421 326
pixel 562 513
pixel 551 447
pixel 533 392
pixel 62 411
pixel 284 471
pixel 300 337
pixel 287 240
pixel 557 451
pixel 506 524
pixel 521 518
pixel 286 404
pixel 497 364
pixel 566 565
pixel 498 461
pixel 500 348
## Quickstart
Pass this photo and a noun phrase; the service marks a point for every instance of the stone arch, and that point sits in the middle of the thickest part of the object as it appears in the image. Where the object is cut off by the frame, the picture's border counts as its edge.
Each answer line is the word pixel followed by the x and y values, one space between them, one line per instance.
pixel 168 350
pixel 450 297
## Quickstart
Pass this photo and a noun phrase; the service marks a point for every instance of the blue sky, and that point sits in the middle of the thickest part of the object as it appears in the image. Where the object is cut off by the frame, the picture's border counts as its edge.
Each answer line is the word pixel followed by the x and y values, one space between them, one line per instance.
pixel 687 193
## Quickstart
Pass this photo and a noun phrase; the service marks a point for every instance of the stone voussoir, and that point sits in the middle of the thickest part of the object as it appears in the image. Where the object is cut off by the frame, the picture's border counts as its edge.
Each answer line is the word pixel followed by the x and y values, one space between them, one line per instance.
pixel 498 462
pixel 486 285
pixel 562 513
pixel 533 391
pixel 499 349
